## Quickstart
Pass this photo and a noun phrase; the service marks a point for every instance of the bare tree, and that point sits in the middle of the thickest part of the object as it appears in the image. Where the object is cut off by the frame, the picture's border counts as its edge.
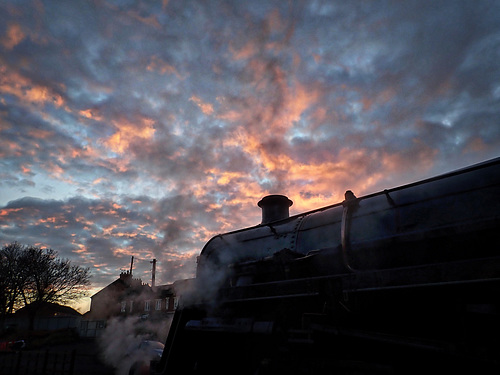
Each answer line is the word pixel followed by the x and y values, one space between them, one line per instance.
pixel 12 277
pixel 30 274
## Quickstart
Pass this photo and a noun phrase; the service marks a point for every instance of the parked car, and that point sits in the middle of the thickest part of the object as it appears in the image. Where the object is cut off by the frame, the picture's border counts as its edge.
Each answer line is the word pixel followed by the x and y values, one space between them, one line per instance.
pixel 141 355
pixel 12 346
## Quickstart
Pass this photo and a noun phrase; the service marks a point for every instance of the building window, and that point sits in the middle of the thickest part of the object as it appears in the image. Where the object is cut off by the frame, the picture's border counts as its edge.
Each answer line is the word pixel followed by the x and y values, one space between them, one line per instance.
pixel 158 304
pixel 131 306
pixel 124 306
pixel 167 300
pixel 147 305
pixel 176 302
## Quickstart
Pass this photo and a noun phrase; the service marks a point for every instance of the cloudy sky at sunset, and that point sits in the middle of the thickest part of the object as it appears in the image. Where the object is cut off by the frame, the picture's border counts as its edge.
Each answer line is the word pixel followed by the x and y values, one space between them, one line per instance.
pixel 145 128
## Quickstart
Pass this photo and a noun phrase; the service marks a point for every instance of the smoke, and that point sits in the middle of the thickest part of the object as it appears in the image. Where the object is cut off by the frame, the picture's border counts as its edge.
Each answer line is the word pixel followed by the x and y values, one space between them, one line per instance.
pixel 120 341
pixel 214 272
pixel 123 335
pixel 204 288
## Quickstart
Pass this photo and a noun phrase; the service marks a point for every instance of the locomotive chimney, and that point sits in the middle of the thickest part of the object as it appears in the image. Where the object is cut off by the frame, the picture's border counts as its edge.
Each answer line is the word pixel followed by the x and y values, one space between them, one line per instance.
pixel 274 207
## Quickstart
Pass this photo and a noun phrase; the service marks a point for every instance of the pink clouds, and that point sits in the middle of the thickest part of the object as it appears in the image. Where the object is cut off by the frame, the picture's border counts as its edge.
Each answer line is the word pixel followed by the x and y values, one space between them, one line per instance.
pixel 206 108
pixel 127 132
pixel 146 128
pixel 13 36
pixel 158 65
pixel 13 83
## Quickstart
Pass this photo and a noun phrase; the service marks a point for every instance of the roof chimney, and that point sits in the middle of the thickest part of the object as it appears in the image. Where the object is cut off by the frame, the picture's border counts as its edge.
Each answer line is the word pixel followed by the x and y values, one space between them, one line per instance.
pixel 153 274
pixel 274 208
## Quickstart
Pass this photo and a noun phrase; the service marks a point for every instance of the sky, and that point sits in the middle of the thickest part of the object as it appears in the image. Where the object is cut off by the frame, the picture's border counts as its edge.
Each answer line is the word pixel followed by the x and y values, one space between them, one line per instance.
pixel 144 128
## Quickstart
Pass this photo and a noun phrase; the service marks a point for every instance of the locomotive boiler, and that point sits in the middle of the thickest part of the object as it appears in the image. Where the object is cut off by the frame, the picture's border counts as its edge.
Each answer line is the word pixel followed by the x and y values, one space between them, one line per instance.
pixel 401 281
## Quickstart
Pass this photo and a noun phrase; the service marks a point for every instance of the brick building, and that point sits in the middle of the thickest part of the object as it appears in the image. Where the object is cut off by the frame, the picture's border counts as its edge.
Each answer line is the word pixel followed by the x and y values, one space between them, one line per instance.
pixel 128 297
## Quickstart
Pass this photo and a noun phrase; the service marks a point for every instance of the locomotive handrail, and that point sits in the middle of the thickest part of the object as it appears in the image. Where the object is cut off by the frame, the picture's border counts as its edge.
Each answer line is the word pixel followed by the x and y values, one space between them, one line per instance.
pixel 350 204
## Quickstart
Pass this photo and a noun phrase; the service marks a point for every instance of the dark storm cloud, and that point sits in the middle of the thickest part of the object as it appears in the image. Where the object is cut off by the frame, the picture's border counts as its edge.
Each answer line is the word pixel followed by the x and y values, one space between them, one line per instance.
pixel 144 128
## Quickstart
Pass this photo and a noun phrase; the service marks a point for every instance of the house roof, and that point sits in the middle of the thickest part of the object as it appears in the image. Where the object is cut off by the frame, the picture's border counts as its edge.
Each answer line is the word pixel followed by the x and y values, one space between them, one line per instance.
pixel 125 281
pixel 118 284
pixel 47 309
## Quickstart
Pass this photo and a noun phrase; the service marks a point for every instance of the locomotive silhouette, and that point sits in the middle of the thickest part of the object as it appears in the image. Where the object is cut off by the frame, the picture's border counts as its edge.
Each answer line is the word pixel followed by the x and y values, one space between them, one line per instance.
pixel 401 281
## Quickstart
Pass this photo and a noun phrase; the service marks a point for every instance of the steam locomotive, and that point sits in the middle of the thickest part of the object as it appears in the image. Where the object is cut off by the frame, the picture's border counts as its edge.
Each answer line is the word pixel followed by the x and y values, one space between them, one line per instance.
pixel 401 281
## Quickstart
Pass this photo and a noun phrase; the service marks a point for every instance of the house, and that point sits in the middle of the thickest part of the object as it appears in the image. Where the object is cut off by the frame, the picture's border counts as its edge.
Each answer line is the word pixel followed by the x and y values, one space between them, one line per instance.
pixel 153 303
pixel 128 297
pixel 107 302
pixel 44 316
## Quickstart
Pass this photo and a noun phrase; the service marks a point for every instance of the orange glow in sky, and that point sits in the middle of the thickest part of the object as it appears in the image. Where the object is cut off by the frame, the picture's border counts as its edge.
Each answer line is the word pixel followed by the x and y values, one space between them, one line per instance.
pixel 145 128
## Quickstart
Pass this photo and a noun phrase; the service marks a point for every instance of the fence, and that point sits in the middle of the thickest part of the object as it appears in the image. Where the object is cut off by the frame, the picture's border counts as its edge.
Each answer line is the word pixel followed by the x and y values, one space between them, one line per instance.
pixel 37 363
